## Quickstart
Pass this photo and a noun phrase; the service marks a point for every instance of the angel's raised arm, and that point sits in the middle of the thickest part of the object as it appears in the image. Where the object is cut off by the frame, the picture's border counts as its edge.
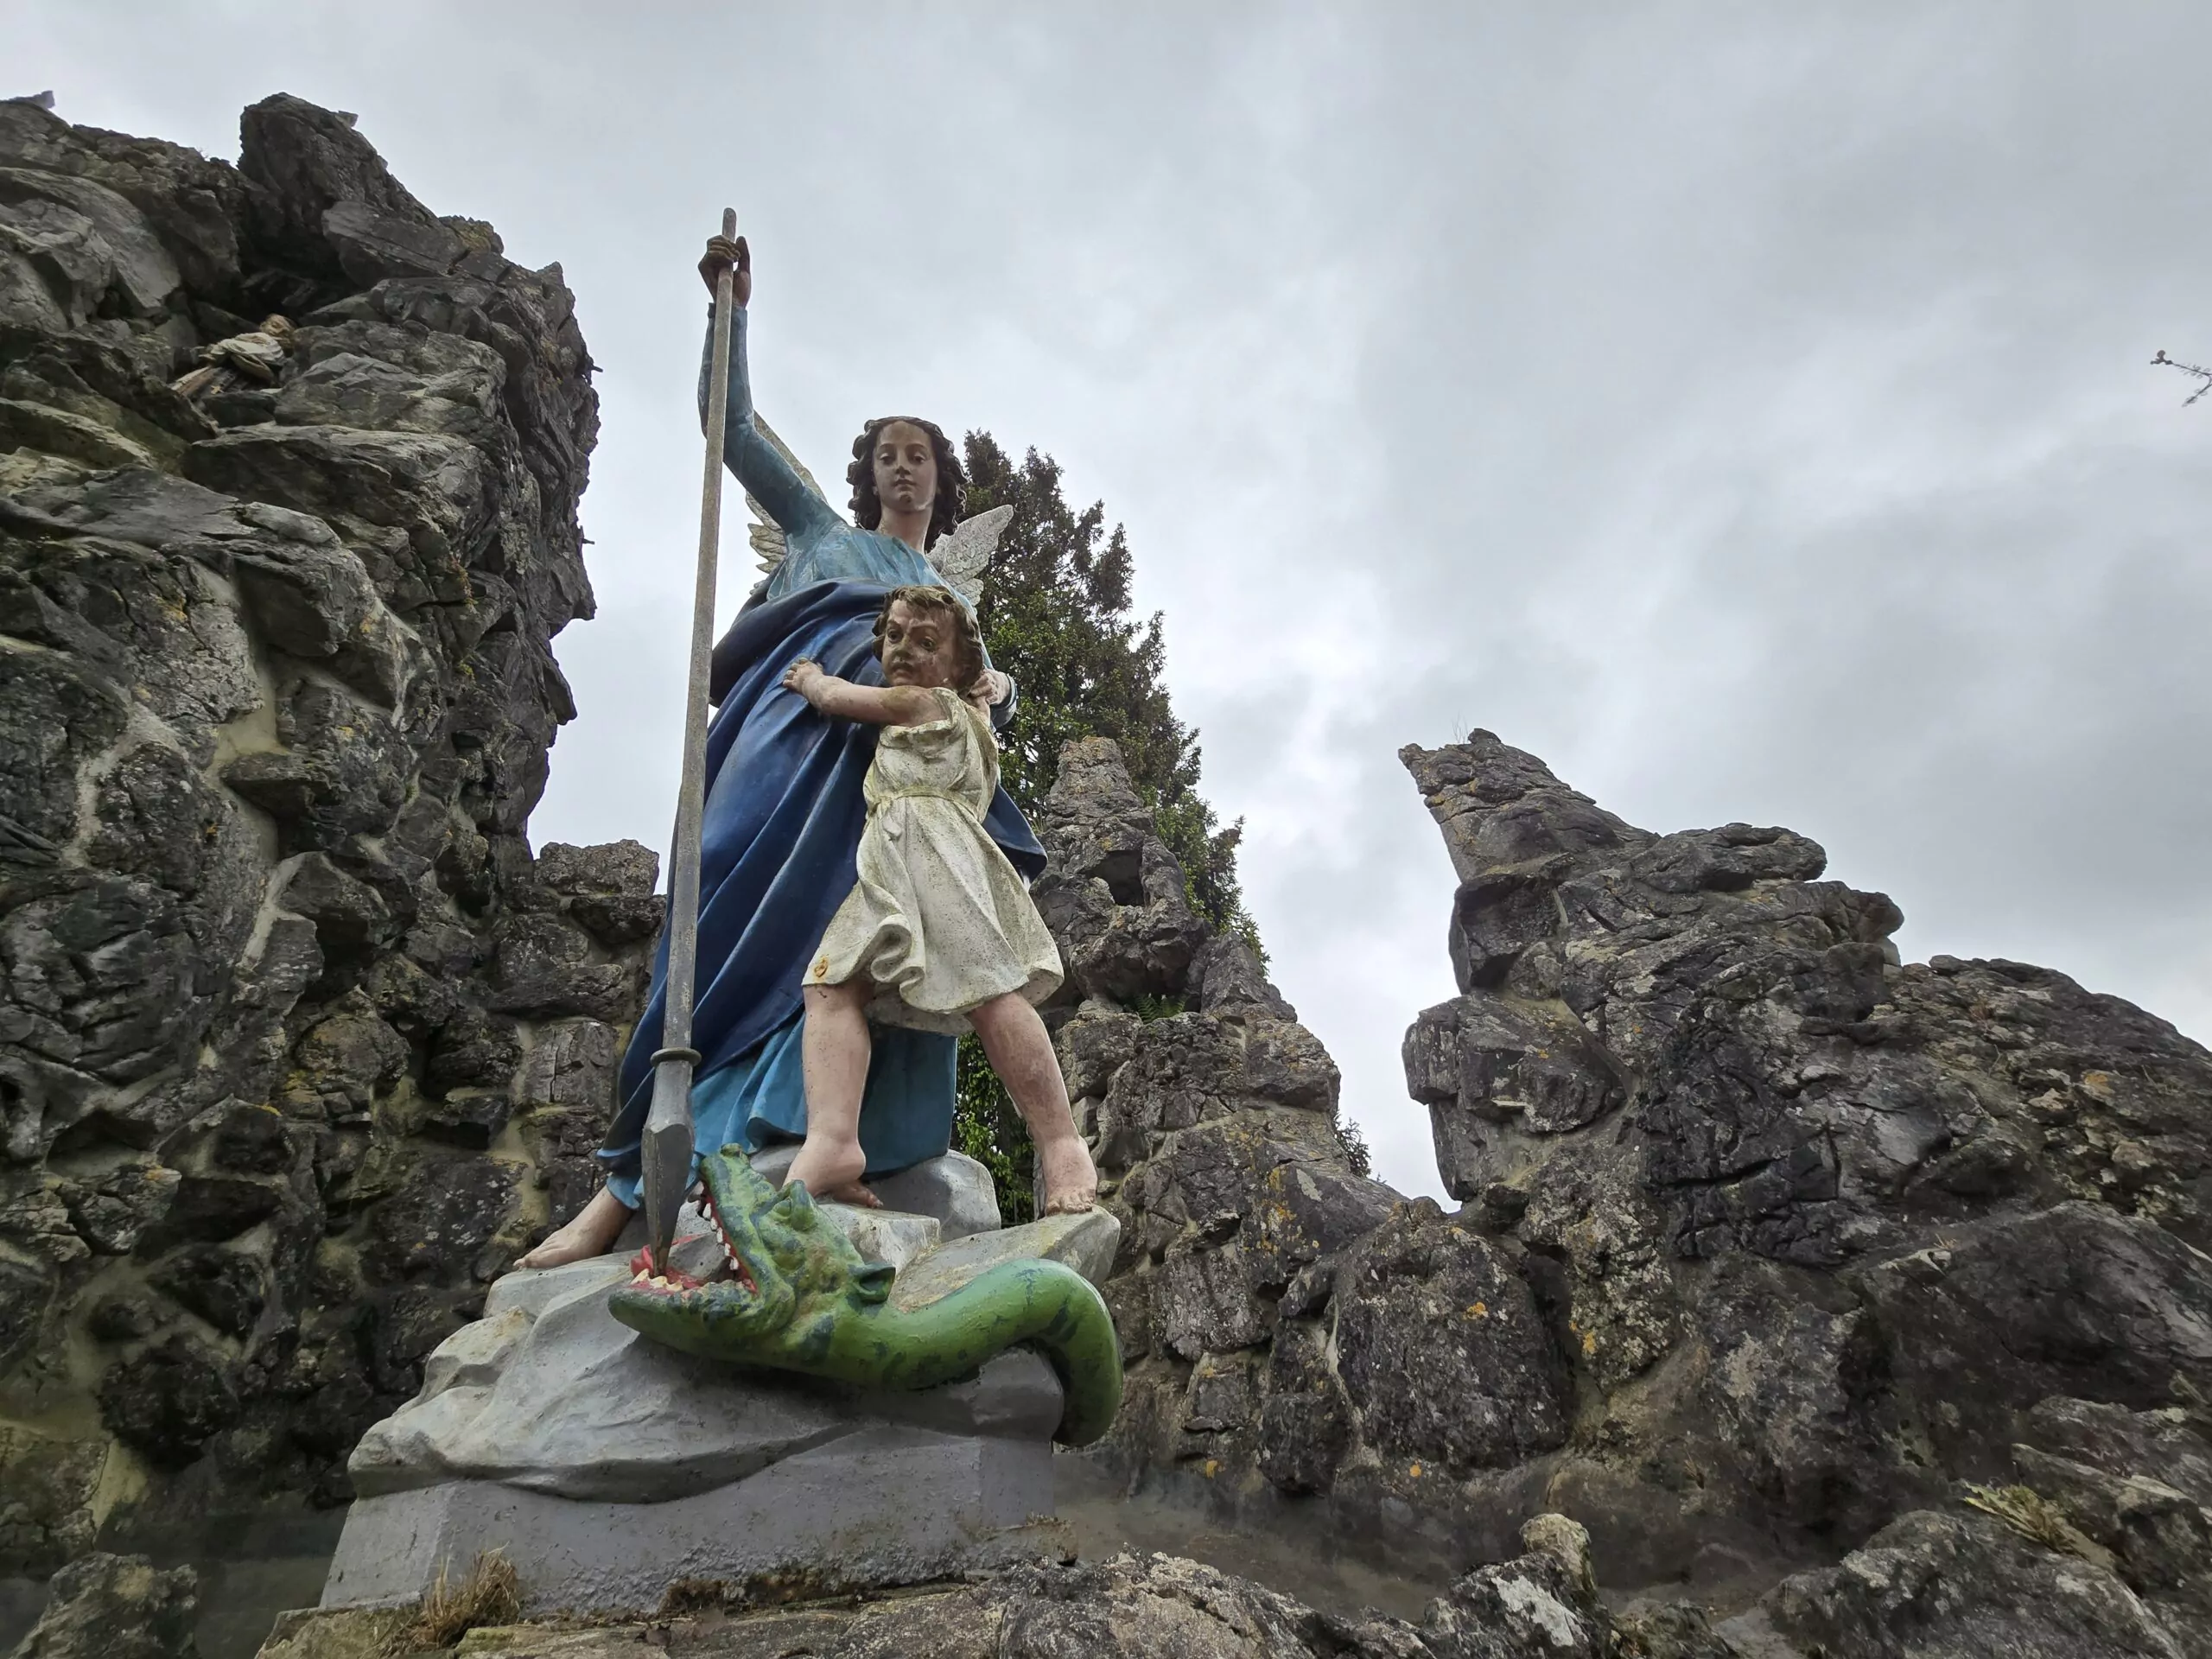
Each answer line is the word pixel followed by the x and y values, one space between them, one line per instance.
pixel 771 479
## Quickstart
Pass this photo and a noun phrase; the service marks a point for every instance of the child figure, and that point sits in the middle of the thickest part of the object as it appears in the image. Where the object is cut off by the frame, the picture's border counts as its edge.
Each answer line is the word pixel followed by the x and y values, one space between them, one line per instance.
pixel 938 932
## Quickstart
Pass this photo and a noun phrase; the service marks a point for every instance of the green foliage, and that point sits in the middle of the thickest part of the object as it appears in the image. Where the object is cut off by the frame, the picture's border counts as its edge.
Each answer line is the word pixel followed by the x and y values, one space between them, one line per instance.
pixel 1353 1144
pixel 986 1125
pixel 1056 616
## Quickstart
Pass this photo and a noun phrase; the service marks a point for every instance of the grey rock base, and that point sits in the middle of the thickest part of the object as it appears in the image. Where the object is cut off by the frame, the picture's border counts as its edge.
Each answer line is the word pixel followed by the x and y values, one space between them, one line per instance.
pixel 889 1505
pixel 607 1468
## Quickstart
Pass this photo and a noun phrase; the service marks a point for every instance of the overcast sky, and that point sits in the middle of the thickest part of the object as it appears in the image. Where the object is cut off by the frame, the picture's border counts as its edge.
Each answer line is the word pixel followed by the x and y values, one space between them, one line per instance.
pixel 1746 408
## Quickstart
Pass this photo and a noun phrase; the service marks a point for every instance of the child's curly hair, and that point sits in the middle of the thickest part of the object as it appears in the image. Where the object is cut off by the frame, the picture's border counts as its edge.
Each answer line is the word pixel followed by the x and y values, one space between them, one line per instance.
pixel 968 639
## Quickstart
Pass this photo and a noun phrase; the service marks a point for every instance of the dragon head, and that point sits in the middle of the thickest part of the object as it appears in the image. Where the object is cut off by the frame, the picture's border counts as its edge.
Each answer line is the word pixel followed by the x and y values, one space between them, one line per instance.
pixel 790 1266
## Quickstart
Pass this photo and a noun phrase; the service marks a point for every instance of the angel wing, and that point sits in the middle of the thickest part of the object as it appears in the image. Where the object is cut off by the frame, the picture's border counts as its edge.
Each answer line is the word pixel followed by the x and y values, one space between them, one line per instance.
pixel 768 540
pixel 963 554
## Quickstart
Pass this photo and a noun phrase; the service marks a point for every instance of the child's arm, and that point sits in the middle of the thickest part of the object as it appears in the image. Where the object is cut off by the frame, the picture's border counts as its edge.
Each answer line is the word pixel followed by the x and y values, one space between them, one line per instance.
pixel 875 705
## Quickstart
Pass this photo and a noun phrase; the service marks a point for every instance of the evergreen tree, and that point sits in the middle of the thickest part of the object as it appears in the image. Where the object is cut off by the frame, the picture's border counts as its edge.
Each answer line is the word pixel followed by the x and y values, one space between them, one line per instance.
pixel 1056 616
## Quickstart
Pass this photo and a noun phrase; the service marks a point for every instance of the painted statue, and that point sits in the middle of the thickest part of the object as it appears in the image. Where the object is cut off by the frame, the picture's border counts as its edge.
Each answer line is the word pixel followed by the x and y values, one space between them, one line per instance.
pixel 787 806
pixel 798 1297
pixel 938 932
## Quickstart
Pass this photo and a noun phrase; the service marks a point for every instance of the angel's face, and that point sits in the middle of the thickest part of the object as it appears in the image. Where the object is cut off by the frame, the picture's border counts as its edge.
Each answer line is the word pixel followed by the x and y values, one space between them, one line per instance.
pixel 920 645
pixel 906 468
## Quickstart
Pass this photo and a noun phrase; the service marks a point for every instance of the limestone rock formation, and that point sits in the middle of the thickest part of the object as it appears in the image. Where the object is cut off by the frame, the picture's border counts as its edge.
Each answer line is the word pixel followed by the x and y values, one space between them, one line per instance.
pixel 1297 1335
pixel 1534 1606
pixel 299 1043
pixel 115 1607
pixel 1770 1246
pixel 1216 1134
pixel 1819 1229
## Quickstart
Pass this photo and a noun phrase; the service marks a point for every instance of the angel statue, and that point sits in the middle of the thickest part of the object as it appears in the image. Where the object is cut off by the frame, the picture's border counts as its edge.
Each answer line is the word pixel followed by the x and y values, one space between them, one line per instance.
pixel 785 808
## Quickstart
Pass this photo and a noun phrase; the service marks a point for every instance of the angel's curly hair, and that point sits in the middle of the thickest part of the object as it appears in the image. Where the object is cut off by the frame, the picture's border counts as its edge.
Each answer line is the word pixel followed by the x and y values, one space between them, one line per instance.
pixel 951 477
pixel 967 637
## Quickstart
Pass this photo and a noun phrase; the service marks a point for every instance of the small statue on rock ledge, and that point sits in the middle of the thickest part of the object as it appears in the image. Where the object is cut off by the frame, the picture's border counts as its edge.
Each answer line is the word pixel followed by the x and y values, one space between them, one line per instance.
pixel 249 358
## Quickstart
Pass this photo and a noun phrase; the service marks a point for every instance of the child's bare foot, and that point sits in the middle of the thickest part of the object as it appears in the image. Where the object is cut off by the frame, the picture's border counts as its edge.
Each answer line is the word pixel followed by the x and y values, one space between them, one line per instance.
pixel 832 1172
pixel 1070 1179
pixel 592 1233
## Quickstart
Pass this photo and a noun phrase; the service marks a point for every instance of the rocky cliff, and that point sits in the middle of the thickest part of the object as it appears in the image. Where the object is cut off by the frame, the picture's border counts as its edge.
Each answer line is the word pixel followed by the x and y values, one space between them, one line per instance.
pixel 1820 1239
pixel 1774 1254
pixel 299 1043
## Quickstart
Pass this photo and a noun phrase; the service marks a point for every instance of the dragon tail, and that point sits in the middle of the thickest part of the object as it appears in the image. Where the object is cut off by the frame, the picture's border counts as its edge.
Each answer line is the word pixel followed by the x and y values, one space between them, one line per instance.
pixel 1048 1306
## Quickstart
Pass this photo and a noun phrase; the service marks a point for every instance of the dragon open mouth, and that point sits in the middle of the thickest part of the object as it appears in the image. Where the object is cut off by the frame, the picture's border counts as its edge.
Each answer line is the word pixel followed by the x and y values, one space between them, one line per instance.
pixel 677 1283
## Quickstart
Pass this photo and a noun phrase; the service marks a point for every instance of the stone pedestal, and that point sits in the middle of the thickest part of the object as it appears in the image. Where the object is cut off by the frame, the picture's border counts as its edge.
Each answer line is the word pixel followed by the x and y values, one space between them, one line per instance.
pixel 607 1467
pixel 882 1503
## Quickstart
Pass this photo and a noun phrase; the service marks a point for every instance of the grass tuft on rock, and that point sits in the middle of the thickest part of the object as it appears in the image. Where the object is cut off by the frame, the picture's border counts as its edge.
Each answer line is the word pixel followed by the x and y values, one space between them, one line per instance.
pixel 490 1594
pixel 2035 1517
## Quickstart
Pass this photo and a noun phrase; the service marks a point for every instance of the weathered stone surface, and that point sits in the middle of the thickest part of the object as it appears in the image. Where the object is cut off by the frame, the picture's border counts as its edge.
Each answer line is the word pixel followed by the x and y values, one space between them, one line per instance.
pixel 2158 1538
pixel 609 888
pixel 1441 1349
pixel 2168 1443
pixel 1227 974
pixel 1930 1583
pixel 116 1607
pixel 545 966
pixel 1818 1224
pixel 1126 1607
pixel 50 1483
pixel 114 1215
pixel 275 693
pixel 1768 1238
pixel 1113 894
pixel 307 162
pixel 171 1401
pixel 1215 1131
pixel 2074 1301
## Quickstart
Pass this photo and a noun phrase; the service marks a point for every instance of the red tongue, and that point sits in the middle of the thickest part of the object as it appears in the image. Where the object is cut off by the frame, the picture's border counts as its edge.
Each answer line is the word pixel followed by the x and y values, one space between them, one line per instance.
pixel 643 1260
pixel 643 1263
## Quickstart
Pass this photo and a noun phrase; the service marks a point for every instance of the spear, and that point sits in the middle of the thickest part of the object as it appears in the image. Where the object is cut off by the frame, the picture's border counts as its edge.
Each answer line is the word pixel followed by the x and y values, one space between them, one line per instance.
pixel 666 1153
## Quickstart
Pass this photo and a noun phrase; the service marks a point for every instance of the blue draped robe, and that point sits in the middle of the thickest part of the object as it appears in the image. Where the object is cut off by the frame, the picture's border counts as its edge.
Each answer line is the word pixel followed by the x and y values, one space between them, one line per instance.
pixel 783 813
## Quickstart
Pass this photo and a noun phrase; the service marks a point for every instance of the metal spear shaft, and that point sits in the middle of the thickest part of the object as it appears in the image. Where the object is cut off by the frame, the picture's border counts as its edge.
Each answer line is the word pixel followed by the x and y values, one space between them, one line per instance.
pixel 666 1153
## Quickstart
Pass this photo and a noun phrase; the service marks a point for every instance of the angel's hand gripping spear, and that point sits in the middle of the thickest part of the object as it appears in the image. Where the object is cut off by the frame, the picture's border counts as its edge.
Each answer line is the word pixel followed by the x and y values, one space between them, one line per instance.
pixel 667 1148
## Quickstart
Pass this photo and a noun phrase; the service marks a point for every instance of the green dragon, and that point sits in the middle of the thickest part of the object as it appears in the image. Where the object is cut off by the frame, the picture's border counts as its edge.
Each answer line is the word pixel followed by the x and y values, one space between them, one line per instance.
pixel 800 1298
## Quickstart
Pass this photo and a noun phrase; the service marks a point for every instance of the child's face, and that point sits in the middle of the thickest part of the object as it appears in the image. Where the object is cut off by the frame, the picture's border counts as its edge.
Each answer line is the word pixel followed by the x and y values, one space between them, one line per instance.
pixel 921 645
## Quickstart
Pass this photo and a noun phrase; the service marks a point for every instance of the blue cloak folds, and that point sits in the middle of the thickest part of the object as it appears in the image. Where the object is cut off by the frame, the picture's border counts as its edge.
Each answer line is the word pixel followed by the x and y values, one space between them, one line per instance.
pixel 784 814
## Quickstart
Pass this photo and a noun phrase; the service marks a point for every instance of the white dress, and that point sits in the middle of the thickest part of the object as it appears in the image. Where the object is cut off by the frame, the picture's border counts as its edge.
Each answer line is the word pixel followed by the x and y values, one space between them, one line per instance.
pixel 939 920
